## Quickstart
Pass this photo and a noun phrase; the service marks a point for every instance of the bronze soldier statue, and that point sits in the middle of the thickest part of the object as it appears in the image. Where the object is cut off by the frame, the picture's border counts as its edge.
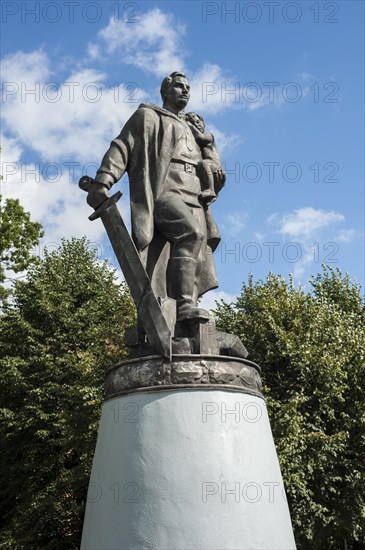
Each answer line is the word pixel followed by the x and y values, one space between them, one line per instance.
pixel 174 232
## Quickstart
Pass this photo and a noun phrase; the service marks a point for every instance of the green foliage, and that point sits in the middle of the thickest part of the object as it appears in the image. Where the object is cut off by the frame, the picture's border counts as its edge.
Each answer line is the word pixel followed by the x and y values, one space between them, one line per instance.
pixel 311 347
pixel 63 329
pixel 65 326
pixel 18 236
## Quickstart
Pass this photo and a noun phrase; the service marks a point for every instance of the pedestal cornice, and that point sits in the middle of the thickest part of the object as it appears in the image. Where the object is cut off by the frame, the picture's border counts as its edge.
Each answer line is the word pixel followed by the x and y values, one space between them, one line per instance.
pixel 202 372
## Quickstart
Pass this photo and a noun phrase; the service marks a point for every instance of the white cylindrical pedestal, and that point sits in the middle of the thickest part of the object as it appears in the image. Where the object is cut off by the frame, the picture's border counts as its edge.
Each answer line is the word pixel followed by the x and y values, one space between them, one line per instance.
pixel 189 468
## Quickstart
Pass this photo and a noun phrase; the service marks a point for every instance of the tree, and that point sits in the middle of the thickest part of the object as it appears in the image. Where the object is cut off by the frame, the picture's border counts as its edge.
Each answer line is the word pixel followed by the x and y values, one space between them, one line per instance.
pixel 311 349
pixel 64 327
pixel 18 236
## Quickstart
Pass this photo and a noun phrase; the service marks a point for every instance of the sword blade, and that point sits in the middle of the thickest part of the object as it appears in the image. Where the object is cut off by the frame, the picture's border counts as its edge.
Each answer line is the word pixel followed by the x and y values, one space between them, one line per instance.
pixel 152 318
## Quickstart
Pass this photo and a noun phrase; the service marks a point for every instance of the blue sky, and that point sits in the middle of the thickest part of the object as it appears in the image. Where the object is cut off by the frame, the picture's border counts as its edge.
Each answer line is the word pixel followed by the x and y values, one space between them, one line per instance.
pixel 280 84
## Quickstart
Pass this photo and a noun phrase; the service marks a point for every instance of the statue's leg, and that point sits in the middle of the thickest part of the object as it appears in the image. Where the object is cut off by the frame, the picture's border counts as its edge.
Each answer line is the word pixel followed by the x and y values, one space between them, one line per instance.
pixel 207 196
pixel 177 223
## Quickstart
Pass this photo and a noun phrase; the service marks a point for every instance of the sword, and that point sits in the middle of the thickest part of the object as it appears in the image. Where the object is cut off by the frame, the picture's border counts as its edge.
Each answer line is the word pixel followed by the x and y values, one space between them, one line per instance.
pixel 148 307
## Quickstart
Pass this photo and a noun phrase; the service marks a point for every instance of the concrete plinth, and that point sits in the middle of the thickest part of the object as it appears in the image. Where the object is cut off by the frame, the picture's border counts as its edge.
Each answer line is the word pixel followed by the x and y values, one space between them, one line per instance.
pixel 180 468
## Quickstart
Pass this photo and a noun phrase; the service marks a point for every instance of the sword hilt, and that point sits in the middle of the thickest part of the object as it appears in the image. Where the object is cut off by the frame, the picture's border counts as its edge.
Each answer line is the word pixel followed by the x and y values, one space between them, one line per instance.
pixel 85 183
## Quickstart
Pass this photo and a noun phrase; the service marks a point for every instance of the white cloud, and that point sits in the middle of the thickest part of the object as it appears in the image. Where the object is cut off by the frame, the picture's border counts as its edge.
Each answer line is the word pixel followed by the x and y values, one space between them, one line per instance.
pixel 74 121
pixel 304 222
pixel 345 235
pixel 309 230
pixel 212 90
pixel 306 259
pixel 304 76
pixel 209 299
pixel 93 51
pixel 27 68
pixel 153 44
pixel 70 130
pixel 206 90
pixel 225 142
pixel 60 205
pixel 235 223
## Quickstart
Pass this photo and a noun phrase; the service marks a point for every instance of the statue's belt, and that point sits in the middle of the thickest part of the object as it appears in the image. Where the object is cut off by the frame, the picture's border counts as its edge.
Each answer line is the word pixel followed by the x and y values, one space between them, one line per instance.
pixel 183 166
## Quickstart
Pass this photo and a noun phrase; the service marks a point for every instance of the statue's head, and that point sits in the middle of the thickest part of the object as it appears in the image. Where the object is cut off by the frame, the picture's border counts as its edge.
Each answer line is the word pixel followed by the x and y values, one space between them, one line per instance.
pixel 175 91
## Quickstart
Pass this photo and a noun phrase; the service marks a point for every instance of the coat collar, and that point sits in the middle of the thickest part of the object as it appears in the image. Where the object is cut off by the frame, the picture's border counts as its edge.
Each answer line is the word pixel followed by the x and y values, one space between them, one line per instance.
pixel 161 110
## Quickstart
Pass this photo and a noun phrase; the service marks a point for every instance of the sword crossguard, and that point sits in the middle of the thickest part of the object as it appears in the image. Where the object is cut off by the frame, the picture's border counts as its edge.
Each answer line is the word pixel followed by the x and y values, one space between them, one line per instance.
pixel 105 205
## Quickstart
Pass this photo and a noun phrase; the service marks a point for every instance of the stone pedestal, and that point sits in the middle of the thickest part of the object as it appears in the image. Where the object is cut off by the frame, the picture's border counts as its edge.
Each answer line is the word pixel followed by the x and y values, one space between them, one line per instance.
pixel 185 460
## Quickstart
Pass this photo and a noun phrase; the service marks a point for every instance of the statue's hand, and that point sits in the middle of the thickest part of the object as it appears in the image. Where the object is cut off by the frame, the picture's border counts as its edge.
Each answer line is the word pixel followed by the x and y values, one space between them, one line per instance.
pixel 97 192
pixel 219 180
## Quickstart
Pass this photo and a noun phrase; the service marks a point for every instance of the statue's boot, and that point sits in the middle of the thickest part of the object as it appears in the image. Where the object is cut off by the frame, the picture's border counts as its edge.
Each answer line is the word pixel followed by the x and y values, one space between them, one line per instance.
pixel 181 275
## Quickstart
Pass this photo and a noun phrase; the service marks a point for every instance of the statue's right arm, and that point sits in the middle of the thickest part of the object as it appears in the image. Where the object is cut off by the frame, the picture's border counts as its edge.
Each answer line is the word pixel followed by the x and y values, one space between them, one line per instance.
pixel 114 163
pixel 112 168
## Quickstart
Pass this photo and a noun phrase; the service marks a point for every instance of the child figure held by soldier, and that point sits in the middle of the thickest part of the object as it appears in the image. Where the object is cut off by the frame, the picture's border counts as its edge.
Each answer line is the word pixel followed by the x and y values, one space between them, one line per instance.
pixel 210 158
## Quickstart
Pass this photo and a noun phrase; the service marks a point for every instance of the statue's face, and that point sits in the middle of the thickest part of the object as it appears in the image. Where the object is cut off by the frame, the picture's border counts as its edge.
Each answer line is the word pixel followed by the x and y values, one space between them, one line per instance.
pixel 178 93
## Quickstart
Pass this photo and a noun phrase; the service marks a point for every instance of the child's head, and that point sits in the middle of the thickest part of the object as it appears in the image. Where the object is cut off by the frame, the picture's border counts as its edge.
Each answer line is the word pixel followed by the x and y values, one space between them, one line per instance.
pixel 197 120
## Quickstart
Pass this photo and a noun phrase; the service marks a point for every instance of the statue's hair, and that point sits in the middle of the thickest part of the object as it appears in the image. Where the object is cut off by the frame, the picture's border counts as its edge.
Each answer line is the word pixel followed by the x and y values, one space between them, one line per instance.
pixel 167 81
